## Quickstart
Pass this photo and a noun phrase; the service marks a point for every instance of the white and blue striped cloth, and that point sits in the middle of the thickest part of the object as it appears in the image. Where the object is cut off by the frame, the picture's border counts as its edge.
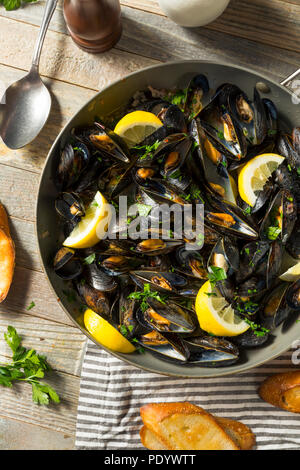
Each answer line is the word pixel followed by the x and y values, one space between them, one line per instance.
pixel 112 392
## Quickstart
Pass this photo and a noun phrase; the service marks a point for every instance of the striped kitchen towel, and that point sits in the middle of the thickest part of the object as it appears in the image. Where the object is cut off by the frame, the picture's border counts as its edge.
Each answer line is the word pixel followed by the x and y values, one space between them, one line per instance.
pixel 112 392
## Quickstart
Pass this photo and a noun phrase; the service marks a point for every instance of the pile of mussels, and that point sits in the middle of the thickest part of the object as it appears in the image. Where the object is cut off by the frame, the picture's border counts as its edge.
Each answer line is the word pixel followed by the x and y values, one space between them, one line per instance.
pixel 146 288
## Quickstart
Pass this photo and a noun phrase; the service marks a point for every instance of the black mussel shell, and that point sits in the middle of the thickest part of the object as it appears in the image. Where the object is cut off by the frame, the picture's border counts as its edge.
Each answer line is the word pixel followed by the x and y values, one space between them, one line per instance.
pixel 280 219
pixel 117 264
pixel 293 295
pixel 293 243
pixel 98 279
pixel 197 96
pixel 154 247
pixel 252 255
pixel 73 160
pixel 70 206
pixel 169 345
pixel 66 265
pixel 250 340
pixel 168 317
pixel 288 147
pixel 110 143
pixel 93 298
pixel 209 351
pixel 191 263
pixel 275 308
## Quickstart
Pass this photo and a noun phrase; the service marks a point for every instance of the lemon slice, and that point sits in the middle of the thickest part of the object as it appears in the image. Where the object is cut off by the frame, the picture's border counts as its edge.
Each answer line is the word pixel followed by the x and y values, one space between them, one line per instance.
pixel 215 315
pixel 136 126
pixel 93 226
pixel 105 333
pixel 255 174
pixel 292 274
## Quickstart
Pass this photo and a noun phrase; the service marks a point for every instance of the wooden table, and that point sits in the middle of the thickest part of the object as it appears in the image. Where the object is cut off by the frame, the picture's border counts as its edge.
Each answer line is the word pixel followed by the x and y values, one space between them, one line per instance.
pixel 262 34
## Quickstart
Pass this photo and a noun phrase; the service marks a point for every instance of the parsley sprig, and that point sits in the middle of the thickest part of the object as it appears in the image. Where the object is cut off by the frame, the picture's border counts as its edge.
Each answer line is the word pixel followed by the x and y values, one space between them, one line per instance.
pixel 258 330
pixel 27 366
pixel 216 274
pixel 14 4
pixel 148 150
pixel 146 294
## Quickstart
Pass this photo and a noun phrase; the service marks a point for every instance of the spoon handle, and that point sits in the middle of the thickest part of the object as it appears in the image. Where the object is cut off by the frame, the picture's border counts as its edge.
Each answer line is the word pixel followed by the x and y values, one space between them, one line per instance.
pixel 49 10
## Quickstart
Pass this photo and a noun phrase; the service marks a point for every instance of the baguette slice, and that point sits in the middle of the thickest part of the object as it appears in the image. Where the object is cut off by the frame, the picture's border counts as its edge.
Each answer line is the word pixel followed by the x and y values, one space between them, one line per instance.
pixel 4 220
pixel 7 263
pixel 239 433
pixel 282 390
pixel 183 426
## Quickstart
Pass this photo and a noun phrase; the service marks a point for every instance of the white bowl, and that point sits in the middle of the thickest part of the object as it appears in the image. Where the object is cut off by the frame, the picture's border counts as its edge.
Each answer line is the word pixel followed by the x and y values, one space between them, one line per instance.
pixel 193 13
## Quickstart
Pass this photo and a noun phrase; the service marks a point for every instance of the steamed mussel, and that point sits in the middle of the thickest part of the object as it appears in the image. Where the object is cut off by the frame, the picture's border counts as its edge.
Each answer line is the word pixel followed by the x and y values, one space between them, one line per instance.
pixel 143 273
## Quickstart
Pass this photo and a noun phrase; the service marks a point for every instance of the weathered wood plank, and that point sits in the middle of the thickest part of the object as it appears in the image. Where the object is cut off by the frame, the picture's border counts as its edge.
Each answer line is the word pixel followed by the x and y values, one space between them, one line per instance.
pixel 32 437
pixel 62 59
pixel 16 403
pixel 32 286
pixel 158 37
pixel 23 234
pixel 61 344
pixel 276 23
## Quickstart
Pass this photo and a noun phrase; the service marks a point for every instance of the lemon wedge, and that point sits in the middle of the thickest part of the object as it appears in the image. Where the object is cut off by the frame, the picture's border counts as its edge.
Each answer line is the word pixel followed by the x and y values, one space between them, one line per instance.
pixel 136 126
pixel 292 274
pixel 255 174
pixel 105 333
pixel 215 315
pixel 93 226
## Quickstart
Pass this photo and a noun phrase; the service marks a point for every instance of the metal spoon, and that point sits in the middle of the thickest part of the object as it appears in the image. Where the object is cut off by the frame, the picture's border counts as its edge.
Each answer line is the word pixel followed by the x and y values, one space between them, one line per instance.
pixel 26 104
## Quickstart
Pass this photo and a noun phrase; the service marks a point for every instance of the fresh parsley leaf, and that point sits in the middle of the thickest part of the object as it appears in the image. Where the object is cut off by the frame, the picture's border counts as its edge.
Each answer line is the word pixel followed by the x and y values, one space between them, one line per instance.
pixel 143 209
pixel 27 366
pixel 273 232
pixel 12 338
pixel 30 306
pixel 90 259
pixel 216 274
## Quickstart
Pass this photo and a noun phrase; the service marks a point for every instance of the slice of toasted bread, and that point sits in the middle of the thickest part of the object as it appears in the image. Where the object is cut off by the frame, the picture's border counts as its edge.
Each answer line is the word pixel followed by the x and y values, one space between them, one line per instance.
pixel 4 220
pixel 183 426
pixel 282 390
pixel 239 433
pixel 7 263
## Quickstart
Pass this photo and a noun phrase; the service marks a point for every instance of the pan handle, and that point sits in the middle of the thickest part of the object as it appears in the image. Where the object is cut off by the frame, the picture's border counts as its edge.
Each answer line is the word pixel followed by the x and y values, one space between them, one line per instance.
pixel 290 78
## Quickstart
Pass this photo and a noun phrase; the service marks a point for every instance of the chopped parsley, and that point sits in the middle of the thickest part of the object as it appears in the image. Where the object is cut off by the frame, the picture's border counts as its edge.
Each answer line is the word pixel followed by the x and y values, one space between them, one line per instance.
pixel 30 306
pixel 147 293
pixel 90 259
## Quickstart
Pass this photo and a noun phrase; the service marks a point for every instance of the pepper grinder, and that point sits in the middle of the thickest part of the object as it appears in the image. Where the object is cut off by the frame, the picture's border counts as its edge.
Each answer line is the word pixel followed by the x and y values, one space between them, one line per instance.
pixel 94 25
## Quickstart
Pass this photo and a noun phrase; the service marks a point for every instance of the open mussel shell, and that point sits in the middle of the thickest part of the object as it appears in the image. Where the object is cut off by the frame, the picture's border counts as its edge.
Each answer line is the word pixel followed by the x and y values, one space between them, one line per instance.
pixel 208 351
pixel 228 218
pixel 197 96
pixel 127 309
pixel 167 282
pixel 70 206
pixel 167 317
pixel 157 188
pixel 293 295
pixel 66 264
pixel 73 160
pixel 275 309
pixel 110 143
pixel 223 128
pixel 288 146
pixel 88 179
pixel 154 247
pixel 114 179
pixel 93 298
pixel 173 165
pixel 191 263
pixel 117 264
pixel 251 116
pixel 98 279
pixel 293 243
pixel 168 345
pixel 280 219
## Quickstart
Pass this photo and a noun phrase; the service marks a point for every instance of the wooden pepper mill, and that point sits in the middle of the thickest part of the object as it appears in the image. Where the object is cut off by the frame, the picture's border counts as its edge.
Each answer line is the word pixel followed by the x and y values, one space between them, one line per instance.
pixel 94 25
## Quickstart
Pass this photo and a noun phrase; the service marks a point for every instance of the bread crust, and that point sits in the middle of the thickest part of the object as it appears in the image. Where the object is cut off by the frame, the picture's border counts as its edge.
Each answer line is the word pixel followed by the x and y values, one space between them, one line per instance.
pixel 7 255
pixel 239 432
pixel 161 418
pixel 282 390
